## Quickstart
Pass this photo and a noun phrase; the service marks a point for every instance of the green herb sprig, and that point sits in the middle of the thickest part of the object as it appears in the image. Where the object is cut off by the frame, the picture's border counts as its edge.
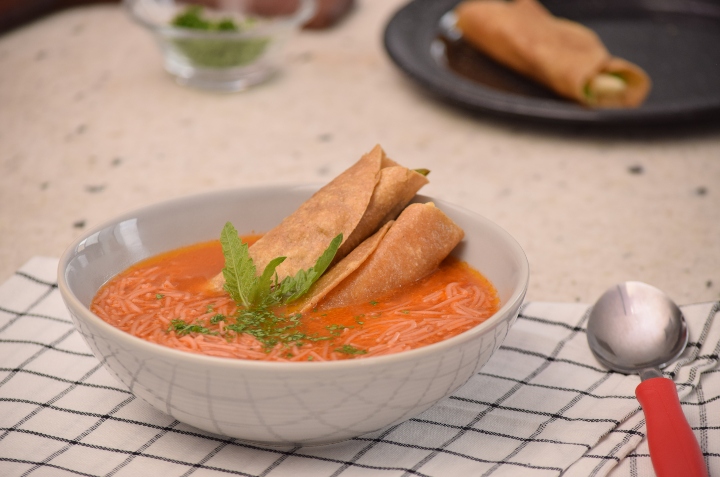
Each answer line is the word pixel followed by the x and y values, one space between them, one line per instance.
pixel 192 17
pixel 256 295
pixel 217 51
pixel 182 328
pixel 252 291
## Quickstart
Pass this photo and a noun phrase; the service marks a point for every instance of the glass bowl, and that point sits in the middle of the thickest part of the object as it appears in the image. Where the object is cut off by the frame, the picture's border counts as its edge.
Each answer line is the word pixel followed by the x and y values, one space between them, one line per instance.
pixel 221 45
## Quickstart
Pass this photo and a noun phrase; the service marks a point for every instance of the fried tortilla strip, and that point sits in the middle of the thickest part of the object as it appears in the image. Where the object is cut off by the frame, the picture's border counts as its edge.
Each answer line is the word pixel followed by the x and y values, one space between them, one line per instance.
pixel 342 269
pixel 356 203
pixel 565 56
pixel 396 187
pixel 413 246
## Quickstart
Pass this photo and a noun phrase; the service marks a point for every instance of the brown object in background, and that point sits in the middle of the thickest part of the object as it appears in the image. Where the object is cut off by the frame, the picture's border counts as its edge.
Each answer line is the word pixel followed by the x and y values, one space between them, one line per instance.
pixel 272 8
pixel 14 13
pixel 328 13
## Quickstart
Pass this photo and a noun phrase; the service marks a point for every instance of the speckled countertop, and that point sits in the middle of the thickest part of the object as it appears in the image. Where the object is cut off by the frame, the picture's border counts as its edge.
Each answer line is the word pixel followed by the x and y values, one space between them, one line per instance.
pixel 91 126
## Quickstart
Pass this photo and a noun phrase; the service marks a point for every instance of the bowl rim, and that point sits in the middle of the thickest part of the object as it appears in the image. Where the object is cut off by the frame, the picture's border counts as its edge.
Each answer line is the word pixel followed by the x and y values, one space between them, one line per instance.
pixel 305 11
pixel 513 302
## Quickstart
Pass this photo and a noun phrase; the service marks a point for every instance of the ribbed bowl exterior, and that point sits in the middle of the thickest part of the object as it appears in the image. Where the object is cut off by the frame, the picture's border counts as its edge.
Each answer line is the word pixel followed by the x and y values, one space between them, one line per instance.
pixel 278 403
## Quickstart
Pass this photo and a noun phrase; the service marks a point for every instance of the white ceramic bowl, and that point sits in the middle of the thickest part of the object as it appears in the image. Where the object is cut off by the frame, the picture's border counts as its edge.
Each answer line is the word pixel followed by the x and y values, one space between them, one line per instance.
pixel 267 402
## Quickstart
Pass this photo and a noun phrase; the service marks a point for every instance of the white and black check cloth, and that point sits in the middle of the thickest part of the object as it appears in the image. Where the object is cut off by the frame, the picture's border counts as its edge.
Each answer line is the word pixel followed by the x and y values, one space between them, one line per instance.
pixel 542 406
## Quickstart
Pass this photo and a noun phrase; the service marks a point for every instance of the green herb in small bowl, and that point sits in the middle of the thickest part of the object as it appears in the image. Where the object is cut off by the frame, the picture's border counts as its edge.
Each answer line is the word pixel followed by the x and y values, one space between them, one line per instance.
pixel 220 50
pixel 217 52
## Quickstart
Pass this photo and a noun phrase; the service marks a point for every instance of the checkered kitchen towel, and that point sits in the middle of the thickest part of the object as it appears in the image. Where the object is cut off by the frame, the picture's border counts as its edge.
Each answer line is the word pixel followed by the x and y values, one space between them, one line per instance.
pixel 542 406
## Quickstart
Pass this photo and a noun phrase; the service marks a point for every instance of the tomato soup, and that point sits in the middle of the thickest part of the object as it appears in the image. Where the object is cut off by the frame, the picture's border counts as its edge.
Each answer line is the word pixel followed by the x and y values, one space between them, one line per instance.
pixel 164 300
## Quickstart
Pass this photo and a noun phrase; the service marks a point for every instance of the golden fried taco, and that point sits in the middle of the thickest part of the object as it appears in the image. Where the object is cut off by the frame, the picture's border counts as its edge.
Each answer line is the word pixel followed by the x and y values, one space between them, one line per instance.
pixel 400 253
pixel 561 54
pixel 370 193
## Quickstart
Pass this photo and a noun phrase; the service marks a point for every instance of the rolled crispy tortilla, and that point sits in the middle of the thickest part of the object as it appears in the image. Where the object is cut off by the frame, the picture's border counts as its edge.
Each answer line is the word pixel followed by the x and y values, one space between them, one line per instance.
pixel 340 271
pixel 565 56
pixel 356 203
pixel 395 188
pixel 408 249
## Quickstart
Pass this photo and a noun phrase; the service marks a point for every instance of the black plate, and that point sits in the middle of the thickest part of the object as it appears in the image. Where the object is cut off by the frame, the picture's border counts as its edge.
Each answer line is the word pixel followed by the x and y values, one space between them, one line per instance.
pixel 677 42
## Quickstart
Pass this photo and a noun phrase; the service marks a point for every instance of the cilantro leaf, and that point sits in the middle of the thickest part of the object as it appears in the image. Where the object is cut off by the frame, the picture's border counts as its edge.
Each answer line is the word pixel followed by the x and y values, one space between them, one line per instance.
pixel 351 350
pixel 182 328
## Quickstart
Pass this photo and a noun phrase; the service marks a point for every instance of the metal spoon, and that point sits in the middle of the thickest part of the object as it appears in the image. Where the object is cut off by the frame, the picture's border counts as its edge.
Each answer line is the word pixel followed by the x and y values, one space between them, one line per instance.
pixel 636 328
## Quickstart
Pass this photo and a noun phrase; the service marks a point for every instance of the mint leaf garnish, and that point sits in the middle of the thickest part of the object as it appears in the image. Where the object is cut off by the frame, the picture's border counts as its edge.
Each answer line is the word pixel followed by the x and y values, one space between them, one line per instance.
pixel 251 291
pixel 256 295
pixel 239 271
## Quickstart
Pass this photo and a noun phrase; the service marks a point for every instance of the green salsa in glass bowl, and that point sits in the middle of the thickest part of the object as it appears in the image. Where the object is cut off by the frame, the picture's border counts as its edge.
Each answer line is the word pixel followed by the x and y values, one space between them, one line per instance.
pixel 229 49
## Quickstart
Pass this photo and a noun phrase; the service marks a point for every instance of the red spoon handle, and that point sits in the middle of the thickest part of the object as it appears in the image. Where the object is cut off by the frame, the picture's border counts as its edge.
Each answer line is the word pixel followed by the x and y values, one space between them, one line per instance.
pixel 674 450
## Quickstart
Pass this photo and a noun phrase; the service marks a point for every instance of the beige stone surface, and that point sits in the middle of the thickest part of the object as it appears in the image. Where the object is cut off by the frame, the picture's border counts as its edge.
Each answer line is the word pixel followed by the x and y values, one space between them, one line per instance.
pixel 91 126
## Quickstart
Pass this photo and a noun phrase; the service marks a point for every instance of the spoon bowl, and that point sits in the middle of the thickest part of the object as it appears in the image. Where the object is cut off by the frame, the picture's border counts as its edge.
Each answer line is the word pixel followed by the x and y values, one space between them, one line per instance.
pixel 636 328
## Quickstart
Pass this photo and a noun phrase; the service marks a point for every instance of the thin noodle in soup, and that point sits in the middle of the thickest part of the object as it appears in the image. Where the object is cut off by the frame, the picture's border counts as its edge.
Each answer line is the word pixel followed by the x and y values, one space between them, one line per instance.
pixel 162 300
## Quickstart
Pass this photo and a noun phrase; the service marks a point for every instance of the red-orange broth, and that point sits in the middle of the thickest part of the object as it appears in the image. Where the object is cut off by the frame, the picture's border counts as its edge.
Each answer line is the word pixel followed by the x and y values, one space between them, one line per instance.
pixel 150 298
